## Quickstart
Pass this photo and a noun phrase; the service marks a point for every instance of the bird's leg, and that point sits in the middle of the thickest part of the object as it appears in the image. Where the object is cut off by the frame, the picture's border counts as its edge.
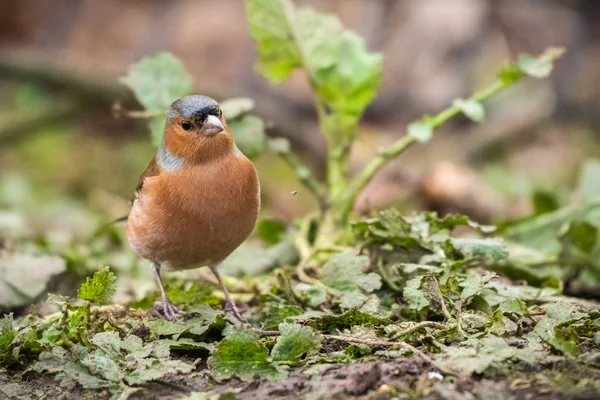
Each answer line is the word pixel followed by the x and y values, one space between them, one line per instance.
pixel 229 304
pixel 169 310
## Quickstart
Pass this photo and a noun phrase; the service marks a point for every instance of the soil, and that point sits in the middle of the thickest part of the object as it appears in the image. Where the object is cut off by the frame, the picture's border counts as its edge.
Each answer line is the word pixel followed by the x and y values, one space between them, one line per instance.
pixel 403 378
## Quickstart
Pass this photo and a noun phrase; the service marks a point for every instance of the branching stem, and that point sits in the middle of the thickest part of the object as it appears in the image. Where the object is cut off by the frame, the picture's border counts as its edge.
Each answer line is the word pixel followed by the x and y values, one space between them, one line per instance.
pixel 392 151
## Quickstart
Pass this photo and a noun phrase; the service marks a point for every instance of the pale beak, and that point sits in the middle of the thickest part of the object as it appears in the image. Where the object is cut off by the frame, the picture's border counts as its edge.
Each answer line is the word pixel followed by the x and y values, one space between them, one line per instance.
pixel 212 126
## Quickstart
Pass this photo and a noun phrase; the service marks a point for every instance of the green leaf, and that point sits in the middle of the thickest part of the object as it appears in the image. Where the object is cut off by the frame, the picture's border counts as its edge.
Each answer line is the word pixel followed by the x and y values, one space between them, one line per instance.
pixel 541 66
pixel 7 336
pixel 295 342
pixel 279 145
pixel 109 342
pixel 157 129
pixel 450 222
pixel 204 319
pixel 582 235
pixel 242 354
pixel 420 131
pixel 476 355
pixel 544 202
pixel 102 365
pixel 236 107
pixel 344 272
pixel 23 277
pixel 249 133
pixel 334 323
pixel 471 108
pixel 279 313
pixel 490 249
pixel 60 362
pixel 343 73
pixel 157 370
pixel 278 54
pixel 271 230
pixel 589 180
pixel 413 294
pixel 317 295
pixel 551 328
pixel 158 81
pixel 100 288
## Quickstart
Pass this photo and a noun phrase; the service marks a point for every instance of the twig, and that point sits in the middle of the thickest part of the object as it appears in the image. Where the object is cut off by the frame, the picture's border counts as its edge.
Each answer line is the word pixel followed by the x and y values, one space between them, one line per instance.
pixel 119 111
pixel 419 326
pixel 403 345
pixel 383 343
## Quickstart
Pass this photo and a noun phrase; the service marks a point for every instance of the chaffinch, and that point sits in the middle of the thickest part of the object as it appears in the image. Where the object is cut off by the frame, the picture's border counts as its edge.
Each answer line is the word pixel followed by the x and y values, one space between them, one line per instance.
pixel 198 198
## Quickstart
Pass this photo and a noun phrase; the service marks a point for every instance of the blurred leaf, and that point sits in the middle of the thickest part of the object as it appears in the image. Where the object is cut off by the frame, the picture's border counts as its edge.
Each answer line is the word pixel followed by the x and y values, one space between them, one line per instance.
pixel 271 230
pixel 471 108
pixel 249 133
pixel 490 249
pixel 510 73
pixel 344 75
pixel 100 288
pixel 316 295
pixel 544 202
pixel 279 145
pixel 157 129
pixel 589 180
pixel 241 354
pixel 541 66
pixel 158 81
pixel 421 131
pixel 450 222
pixel 295 341
pixel 278 55
pixel 582 235
pixel 24 277
pixel 236 107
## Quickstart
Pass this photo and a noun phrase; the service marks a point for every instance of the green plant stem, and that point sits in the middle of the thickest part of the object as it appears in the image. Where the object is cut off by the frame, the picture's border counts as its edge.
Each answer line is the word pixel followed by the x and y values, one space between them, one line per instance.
pixel 306 178
pixel 385 156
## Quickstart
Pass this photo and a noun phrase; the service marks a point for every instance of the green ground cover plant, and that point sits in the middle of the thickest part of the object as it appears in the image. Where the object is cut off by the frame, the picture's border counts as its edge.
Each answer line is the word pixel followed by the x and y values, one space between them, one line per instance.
pixel 434 314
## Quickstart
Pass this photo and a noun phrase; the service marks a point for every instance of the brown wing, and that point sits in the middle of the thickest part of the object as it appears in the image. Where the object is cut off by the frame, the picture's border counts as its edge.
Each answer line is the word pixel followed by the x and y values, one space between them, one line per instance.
pixel 151 170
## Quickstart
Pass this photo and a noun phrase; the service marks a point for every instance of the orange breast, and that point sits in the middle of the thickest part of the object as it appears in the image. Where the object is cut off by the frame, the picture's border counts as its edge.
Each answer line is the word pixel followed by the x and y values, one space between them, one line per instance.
pixel 196 216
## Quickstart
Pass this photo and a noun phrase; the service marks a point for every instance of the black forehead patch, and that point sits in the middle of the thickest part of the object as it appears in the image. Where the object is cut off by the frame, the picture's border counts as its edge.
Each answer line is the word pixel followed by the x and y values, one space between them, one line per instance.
pixel 196 107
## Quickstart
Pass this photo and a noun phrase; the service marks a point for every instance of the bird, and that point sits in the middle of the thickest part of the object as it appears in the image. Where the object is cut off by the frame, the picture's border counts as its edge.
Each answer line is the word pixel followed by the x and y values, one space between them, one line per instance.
pixel 197 200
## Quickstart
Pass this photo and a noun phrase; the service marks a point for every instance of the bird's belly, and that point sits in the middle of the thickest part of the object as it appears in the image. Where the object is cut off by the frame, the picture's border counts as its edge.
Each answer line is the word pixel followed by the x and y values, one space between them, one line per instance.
pixel 182 240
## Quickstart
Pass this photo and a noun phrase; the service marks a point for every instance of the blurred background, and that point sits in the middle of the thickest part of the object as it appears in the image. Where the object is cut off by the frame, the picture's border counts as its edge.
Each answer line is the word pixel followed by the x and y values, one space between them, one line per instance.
pixel 67 161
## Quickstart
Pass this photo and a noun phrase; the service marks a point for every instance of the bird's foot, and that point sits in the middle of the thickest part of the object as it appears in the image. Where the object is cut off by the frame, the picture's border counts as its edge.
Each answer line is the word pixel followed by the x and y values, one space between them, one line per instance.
pixel 169 311
pixel 232 308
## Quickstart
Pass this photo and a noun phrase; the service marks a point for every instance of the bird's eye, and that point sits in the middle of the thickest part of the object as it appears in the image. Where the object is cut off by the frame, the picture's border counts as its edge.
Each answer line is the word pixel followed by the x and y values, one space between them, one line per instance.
pixel 186 125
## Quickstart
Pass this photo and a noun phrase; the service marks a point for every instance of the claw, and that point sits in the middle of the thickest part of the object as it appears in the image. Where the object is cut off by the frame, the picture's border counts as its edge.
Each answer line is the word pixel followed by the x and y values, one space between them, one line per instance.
pixel 232 308
pixel 169 311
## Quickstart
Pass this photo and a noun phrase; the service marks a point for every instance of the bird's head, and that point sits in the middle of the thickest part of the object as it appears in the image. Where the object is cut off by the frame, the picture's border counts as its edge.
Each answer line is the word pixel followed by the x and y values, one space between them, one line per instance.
pixel 196 130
